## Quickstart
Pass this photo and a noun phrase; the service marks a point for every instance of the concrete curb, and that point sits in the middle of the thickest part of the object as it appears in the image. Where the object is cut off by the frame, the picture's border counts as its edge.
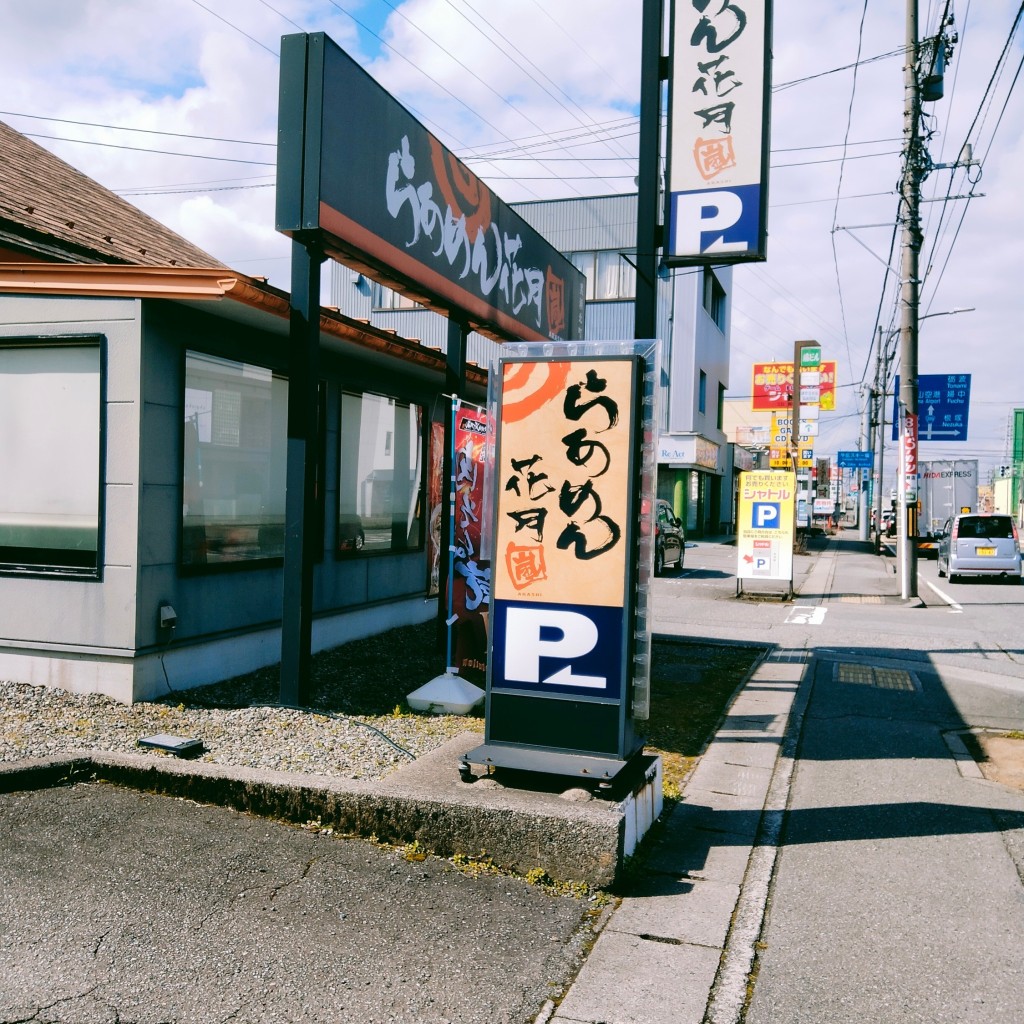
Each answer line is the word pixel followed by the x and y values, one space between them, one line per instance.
pixel 425 802
pixel 695 923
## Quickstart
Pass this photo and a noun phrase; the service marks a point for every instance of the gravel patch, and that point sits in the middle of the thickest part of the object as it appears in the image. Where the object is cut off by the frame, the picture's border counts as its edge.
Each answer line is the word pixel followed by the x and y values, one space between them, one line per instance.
pixel 358 725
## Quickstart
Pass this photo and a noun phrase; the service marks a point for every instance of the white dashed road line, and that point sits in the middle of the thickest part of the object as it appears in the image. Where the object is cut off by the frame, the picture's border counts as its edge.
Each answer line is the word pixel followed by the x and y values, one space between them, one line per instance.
pixel 806 615
pixel 954 608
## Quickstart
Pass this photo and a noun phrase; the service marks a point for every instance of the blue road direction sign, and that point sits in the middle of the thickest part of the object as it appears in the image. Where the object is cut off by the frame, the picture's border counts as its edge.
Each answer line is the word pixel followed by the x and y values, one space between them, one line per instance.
pixel 856 460
pixel 943 402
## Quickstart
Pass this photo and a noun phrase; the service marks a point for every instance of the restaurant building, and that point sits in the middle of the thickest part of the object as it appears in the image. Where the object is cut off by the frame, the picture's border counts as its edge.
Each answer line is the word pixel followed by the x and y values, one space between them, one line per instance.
pixel 143 446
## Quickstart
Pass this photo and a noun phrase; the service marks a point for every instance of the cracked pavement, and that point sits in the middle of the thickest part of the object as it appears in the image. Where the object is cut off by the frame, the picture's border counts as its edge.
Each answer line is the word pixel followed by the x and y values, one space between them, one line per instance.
pixel 129 908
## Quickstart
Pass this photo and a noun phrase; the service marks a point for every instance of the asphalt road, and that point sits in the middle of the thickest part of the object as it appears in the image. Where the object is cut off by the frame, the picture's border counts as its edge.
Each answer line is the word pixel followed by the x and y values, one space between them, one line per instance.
pixel 125 907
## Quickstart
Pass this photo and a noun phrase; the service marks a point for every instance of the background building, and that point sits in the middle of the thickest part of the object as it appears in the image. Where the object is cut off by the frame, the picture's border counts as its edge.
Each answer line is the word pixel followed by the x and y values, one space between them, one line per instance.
pixel 695 464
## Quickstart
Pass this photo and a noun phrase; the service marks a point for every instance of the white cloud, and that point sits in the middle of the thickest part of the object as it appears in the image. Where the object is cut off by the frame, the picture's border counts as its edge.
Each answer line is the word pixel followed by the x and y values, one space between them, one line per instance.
pixel 482 74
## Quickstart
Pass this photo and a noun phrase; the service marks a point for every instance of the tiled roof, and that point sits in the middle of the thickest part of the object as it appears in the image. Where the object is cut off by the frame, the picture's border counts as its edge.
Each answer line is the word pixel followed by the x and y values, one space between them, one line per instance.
pixel 55 213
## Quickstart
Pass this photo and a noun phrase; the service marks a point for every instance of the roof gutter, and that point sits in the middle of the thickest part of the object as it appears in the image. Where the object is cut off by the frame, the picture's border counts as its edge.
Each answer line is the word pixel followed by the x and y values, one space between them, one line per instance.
pixel 211 283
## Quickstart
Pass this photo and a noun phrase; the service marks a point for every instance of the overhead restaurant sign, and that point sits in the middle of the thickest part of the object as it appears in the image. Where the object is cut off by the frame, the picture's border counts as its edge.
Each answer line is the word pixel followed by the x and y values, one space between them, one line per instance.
pixel 719 103
pixel 359 174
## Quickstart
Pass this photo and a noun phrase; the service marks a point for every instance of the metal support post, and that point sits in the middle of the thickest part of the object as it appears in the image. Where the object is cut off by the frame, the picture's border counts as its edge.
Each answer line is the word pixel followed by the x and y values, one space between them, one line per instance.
pixel 301 535
pixel 455 384
pixel 913 169
pixel 862 476
pixel 647 234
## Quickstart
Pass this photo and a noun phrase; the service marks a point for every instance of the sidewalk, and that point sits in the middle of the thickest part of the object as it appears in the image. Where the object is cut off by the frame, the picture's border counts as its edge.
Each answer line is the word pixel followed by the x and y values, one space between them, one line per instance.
pixel 830 842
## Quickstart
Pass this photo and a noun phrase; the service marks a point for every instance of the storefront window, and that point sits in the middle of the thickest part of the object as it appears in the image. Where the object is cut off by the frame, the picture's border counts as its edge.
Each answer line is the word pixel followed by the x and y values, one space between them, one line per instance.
pixel 380 479
pixel 235 459
pixel 51 430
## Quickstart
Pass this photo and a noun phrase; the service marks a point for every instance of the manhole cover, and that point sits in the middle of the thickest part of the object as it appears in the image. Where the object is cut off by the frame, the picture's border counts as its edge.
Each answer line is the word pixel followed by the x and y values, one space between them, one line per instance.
pixel 880 678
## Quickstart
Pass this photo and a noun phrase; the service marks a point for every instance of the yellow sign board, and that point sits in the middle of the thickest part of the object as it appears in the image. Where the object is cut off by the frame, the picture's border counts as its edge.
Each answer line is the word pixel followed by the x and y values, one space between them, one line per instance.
pixel 780 454
pixel 764 529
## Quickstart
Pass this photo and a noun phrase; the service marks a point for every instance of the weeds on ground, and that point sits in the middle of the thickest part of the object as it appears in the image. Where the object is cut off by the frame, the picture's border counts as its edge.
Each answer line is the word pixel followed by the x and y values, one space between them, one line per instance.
pixel 691 685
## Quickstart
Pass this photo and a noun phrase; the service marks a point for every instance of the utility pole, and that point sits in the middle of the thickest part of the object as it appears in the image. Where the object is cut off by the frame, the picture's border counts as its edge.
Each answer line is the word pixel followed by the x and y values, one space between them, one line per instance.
pixel 864 444
pixel 914 169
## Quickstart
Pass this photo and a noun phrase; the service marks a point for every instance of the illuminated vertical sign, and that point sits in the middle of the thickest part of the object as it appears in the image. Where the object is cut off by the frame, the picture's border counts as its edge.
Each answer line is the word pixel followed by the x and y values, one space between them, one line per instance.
pixel 562 565
pixel 719 101
pixel 909 448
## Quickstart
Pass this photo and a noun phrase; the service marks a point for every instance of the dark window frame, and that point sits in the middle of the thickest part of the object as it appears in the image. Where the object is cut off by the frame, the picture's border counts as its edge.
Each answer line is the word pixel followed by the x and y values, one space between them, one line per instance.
pixel 38 567
pixel 189 569
pixel 713 298
pixel 349 552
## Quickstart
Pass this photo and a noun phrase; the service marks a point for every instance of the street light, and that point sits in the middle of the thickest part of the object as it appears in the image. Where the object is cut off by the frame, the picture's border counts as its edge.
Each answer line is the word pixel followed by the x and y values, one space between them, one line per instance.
pixel 947 312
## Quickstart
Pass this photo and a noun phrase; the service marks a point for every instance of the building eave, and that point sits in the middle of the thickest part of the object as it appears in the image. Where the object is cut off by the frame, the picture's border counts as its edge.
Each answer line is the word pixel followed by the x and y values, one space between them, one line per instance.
pixel 204 284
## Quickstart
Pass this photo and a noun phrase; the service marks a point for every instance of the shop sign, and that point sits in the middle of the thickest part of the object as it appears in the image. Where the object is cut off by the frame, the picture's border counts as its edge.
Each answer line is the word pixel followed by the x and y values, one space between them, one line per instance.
pixel 719 103
pixel 764 535
pixel 566 505
pixel 772 386
pixel 360 176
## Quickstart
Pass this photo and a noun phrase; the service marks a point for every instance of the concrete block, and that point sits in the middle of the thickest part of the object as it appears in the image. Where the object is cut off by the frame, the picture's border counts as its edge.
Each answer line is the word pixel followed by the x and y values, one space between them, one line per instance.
pixel 629 980
pixel 688 911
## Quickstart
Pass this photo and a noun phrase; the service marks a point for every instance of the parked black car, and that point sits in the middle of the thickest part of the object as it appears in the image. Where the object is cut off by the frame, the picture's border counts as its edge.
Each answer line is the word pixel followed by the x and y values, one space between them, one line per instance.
pixel 669 538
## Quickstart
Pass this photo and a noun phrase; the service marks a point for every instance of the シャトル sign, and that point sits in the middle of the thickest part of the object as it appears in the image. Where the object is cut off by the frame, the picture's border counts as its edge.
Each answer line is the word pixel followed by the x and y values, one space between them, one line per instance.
pixel 764 528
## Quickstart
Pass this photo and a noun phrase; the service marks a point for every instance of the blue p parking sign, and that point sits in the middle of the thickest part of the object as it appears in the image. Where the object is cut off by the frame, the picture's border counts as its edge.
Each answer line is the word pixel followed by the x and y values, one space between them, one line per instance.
pixel 546 648
pixel 766 515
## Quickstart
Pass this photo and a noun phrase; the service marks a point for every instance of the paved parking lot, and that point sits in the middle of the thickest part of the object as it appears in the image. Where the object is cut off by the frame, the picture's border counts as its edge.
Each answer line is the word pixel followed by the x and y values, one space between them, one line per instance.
pixel 123 906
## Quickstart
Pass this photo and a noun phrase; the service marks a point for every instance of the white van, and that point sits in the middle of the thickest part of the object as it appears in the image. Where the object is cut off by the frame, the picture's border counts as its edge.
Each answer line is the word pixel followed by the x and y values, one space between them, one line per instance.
pixel 980 544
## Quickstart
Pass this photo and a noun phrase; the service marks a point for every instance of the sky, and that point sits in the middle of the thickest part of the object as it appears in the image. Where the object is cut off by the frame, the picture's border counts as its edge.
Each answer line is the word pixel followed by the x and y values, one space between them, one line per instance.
pixel 173 105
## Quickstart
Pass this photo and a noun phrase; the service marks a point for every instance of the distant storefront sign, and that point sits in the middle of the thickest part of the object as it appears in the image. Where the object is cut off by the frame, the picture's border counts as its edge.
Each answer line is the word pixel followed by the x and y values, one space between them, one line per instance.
pixel 689 451
pixel 361 176
pixel 810 356
pixel 772 386
pixel 719 102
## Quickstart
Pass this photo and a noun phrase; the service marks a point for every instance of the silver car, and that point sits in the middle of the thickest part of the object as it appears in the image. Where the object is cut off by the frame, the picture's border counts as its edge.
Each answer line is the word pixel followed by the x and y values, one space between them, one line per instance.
pixel 980 544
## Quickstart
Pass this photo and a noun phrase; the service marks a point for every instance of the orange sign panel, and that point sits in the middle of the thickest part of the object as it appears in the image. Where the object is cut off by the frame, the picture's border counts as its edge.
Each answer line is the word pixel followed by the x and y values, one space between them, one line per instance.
pixel 565 462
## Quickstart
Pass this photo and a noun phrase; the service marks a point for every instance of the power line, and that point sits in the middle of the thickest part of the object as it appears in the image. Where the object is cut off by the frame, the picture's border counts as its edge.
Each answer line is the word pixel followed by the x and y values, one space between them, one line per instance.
pixel 159 152
pixel 839 188
pixel 144 131
pixel 845 67
pixel 253 39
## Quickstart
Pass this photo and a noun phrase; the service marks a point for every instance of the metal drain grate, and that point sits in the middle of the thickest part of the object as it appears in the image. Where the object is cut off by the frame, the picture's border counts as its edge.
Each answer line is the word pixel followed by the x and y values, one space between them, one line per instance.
pixel 880 678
